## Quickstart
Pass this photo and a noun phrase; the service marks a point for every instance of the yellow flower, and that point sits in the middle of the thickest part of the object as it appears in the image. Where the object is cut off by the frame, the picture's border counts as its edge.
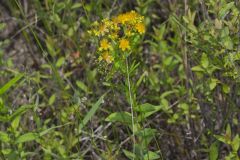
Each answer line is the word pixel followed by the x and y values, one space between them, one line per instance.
pixel 95 32
pixel 140 28
pixel 102 29
pixel 113 36
pixel 126 17
pixel 121 19
pixel 104 45
pixel 108 58
pixel 132 15
pixel 124 44
pixel 117 33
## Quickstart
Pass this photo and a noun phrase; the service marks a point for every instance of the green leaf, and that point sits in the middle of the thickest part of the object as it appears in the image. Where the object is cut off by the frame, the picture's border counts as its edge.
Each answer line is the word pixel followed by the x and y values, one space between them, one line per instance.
pixel 231 156
pixel 92 111
pixel 204 60
pixel 185 18
pixel 5 152
pixel 218 24
pixel 129 154
pixel 227 42
pixel 146 135
pixel 146 132
pixel 82 86
pixel 167 93
pixel 151 156
pixel 213 83
pixel 76 5
pixel 236 143
pixel 192 28
pixel 50 45
pixel 147 110
pixel 10 83
pixel 147 107
pixel 226 88
pixel 4 137
pixel 52 99
pixel 220 138
pixel 27 137
pixel 70 32
pixel 141 79
pixel 165 105
pixel 168 61
pixel 123 117
pixel 60 6
pixel 224 11
pixel 228 132
pixel 213 151
pixel 60 62
pixel 197 69
pixel 15 123
pixel 224 33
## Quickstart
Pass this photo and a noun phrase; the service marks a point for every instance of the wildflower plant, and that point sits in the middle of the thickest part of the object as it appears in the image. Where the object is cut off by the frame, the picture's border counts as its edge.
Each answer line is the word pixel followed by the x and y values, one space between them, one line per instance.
pixel 117 38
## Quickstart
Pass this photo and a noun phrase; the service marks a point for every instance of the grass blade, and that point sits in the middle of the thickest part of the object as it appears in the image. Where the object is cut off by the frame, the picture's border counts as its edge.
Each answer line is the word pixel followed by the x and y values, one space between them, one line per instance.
pixel 27 137
pixel 91 112
pixel 10 83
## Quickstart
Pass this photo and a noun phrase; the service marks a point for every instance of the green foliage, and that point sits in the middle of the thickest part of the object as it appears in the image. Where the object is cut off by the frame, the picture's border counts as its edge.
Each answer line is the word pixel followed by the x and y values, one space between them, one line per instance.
pixel 228 139
pixel 123 117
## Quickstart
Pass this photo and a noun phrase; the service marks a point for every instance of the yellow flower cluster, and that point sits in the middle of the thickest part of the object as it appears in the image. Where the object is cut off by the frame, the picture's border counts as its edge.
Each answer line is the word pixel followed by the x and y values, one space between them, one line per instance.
pixel 116 34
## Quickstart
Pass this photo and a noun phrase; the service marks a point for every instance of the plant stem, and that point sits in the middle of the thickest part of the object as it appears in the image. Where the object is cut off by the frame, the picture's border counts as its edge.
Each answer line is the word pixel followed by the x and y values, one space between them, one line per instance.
pixel 131 105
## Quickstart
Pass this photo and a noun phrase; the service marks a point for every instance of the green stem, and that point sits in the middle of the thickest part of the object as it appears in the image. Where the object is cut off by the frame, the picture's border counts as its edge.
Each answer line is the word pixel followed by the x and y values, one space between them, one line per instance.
pixel 131 105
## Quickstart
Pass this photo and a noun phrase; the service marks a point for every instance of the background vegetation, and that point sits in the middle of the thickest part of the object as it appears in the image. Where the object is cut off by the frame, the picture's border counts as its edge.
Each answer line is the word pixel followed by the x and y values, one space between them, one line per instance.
pixel 58 102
